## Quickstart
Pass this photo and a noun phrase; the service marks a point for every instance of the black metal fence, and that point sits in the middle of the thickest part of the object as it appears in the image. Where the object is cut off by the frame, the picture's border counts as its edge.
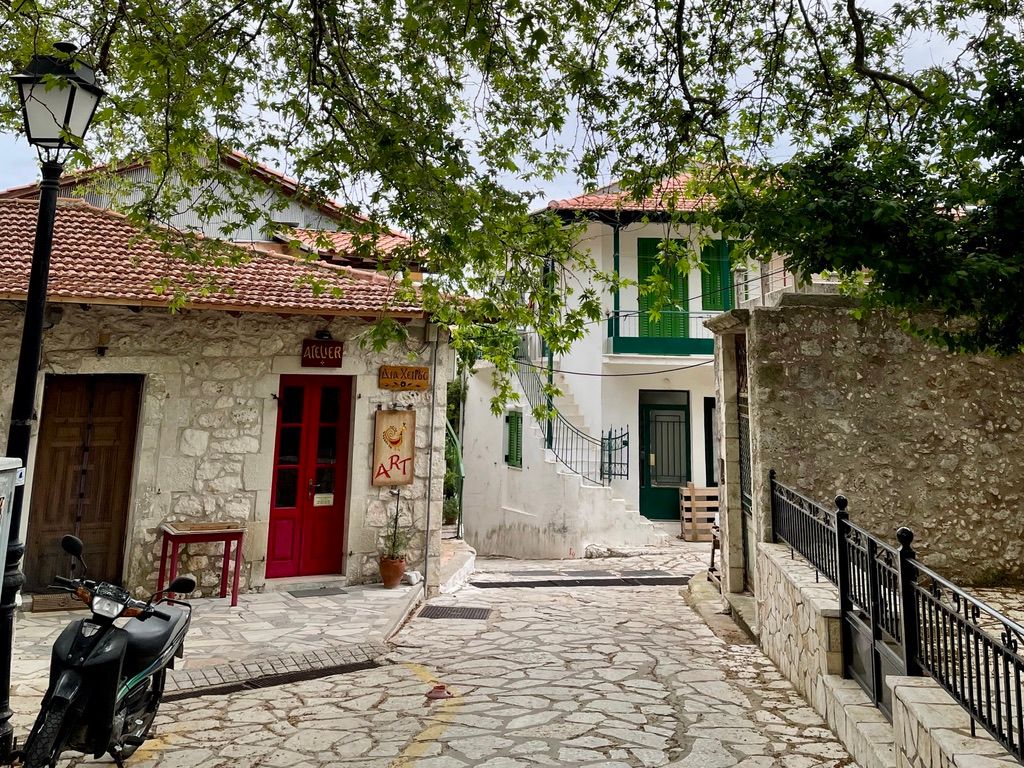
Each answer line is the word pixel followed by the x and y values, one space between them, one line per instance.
pixel 900 617
pixel 596 460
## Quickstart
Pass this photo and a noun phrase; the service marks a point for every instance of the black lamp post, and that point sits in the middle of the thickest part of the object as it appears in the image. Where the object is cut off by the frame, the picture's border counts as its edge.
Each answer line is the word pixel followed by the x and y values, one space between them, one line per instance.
pixel 58 99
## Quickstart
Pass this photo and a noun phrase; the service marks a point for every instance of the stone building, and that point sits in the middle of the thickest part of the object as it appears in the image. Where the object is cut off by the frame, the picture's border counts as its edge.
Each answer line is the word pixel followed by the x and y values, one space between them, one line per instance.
pixel 837 402
pixel 208 414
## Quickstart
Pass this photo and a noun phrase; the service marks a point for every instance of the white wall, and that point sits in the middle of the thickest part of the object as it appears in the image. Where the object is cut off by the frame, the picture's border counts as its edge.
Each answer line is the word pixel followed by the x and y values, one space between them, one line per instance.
pixel 540 510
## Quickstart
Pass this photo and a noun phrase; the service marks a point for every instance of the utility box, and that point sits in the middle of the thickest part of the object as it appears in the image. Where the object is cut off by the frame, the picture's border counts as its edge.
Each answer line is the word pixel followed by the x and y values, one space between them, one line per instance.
pixel 10 469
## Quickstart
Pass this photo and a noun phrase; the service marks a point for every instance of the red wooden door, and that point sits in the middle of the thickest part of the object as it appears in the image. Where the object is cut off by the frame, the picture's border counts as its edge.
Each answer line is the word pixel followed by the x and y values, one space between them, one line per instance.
pixel 83 475
pixel 310 491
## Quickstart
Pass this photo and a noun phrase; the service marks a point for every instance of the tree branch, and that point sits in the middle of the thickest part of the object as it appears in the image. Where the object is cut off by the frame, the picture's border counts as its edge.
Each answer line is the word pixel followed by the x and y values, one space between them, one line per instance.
pixel 860 53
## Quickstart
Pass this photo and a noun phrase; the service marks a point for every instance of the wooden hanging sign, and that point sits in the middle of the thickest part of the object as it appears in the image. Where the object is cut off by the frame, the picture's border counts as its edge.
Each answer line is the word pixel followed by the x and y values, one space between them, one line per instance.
pixel 404 378
pixel 321 353
pixel 394 447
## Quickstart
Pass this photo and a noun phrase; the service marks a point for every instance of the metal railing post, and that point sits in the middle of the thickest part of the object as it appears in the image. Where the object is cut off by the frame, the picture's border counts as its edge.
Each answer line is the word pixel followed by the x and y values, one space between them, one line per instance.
pixel 843 580
pixel 908 598
pixel 774 507
pixel 874 618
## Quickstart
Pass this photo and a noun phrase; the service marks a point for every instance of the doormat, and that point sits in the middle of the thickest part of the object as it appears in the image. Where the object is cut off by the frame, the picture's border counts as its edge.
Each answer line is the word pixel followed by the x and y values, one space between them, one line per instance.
pixel 454 612
pixel 325 592
pixel 57 602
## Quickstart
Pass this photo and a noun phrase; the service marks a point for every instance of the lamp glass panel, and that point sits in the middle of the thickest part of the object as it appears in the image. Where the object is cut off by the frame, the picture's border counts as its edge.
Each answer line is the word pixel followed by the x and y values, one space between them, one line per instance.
pixel 45 109
pixel 82 108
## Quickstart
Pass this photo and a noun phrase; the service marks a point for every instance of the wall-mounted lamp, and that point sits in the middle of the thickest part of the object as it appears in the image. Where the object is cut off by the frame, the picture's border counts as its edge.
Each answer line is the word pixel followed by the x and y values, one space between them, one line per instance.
pixel 323 333
pixel 102 342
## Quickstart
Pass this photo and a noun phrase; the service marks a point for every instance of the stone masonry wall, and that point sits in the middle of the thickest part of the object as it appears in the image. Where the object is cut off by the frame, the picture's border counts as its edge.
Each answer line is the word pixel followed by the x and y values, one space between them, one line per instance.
pixel 910 434
pixel 799 622
pixel 208 421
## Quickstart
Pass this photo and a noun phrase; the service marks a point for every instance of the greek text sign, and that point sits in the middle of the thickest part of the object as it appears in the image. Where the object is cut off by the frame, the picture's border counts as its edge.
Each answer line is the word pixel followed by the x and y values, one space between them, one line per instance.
pixel 394 447
pixel 403 377
pixel 321 353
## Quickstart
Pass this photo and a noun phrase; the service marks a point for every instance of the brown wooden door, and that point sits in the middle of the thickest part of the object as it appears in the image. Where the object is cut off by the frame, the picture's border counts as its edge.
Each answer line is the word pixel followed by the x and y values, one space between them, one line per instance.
pixel 83 473
pixel 310 493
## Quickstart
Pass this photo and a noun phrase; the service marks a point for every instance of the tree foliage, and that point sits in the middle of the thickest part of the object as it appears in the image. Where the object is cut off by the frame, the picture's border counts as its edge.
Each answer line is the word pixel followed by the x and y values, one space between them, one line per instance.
pixel 816 133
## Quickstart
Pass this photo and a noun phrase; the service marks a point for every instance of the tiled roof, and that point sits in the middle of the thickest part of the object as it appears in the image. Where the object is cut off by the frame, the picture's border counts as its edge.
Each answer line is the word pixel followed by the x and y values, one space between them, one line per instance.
pixel 100 257
pixel 669 195
pixel 341 242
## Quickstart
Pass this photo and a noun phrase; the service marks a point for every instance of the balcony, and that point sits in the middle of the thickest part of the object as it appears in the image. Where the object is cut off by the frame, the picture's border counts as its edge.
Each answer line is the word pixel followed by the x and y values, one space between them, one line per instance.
pixel 675 333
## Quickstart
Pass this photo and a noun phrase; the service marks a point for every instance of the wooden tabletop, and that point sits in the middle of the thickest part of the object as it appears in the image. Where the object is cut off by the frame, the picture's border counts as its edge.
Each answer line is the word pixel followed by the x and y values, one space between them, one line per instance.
pixel 226 526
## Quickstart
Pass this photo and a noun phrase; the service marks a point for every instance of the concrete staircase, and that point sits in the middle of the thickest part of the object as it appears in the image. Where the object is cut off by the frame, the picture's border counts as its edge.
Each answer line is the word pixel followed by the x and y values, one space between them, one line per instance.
pixel 617 524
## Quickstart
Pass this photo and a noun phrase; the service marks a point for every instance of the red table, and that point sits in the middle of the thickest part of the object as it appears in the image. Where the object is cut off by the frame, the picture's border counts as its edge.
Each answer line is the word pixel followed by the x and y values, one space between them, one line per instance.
pixel 176 534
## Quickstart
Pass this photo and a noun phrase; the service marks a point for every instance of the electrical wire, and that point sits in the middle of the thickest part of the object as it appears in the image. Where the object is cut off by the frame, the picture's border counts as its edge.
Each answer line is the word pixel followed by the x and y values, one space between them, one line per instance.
pixel 618 375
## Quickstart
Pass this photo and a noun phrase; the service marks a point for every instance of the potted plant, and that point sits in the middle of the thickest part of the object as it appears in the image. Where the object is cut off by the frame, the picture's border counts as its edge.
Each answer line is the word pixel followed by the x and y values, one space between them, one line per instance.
pixel 392 559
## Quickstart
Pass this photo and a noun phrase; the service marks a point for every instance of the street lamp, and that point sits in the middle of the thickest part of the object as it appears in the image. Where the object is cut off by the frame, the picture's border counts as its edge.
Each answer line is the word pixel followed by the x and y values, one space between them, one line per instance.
pixel 59 96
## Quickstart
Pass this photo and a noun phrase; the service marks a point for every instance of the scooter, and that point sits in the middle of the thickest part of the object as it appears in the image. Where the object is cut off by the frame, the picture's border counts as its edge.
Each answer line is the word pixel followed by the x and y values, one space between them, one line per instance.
pixel 107 681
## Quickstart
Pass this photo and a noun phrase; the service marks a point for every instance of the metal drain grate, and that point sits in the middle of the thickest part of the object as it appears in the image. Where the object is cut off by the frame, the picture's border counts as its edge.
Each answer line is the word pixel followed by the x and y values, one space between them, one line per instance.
pixel 454 612
pixel 618 581
pixel 325 592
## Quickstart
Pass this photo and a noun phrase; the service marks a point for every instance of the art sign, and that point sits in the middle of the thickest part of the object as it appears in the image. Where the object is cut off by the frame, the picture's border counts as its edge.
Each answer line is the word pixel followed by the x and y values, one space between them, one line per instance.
pixel 321 353
pixel 403 377
pixel 394 447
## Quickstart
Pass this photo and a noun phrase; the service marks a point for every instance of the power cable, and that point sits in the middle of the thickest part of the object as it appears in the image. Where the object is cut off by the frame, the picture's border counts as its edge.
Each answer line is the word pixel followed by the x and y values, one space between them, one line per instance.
pixel 617 375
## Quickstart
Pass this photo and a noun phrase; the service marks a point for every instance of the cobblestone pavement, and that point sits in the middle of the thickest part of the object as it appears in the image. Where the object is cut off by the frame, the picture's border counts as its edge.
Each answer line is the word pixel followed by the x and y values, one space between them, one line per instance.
pixel 676 558
pixel 263 634
pixel 609 677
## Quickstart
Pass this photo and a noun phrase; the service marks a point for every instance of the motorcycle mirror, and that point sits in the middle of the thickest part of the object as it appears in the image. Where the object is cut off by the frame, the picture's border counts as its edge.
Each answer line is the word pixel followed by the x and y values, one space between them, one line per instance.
pixel 73 546
pixel 182 585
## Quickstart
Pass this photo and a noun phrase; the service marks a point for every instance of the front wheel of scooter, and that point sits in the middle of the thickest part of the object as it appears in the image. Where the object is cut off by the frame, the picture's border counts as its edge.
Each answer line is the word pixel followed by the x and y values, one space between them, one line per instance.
pixel 44 747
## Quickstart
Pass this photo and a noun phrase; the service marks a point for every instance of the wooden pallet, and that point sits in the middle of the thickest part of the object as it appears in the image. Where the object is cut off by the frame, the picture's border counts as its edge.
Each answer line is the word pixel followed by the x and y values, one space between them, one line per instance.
pixel 698 512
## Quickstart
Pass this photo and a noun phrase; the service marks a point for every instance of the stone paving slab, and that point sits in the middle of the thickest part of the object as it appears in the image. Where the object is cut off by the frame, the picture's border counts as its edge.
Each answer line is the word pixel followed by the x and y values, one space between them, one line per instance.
pixel 264 635
pixel 676 558
pixel 594 677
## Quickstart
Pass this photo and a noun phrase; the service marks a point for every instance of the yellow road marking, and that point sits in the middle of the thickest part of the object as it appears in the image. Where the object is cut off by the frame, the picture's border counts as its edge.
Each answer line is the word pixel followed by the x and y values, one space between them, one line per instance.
pixel 442 718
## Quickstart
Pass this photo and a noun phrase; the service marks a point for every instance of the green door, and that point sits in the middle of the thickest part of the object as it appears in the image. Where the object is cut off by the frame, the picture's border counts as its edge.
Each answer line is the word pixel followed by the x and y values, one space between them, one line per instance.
pixel 664 459
pixel 674 320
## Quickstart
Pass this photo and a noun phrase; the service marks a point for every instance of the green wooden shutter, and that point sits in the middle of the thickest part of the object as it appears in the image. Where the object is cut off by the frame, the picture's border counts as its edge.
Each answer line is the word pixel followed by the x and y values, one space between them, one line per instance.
pixel 716 285
pixel 672 324
pixel 514 439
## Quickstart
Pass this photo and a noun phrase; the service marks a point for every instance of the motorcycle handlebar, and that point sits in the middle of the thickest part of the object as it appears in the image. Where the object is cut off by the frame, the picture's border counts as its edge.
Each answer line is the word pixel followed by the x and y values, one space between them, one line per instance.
pixel 65 582
pixel 161 615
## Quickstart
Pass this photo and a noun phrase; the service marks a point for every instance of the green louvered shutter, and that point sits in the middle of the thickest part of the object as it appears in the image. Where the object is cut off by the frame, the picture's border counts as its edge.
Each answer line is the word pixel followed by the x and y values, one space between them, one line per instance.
pixel 672 324
pixel 514 447
pixel 716 280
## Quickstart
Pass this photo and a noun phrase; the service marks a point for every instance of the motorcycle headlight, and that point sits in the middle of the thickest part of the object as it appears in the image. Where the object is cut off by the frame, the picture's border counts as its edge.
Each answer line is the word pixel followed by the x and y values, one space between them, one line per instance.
pixel 104 606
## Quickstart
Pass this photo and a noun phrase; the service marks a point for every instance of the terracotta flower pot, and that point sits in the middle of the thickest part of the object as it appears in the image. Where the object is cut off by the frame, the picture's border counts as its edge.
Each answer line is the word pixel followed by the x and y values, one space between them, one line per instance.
pixel 391 571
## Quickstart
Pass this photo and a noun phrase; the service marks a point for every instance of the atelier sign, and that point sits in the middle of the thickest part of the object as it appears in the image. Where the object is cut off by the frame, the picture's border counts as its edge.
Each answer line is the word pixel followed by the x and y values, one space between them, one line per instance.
pixel 403 377
pixel 394 443
pixel 321 353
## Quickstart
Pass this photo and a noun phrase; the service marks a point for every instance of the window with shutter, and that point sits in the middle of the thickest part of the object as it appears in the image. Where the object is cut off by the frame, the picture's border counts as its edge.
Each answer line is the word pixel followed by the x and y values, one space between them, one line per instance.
pixel 716 285
pixel 673 320
pixel 514 439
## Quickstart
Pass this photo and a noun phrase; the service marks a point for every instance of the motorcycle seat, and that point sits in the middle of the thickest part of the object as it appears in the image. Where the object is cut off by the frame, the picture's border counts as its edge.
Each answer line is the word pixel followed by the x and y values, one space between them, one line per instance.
pixel 146 639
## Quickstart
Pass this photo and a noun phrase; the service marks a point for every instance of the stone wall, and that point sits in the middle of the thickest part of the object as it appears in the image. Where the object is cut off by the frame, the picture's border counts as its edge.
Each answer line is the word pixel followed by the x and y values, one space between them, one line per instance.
pixel 932 731
pixel 799 622
pixel 207 427
pixel 910 434
pixel 799 631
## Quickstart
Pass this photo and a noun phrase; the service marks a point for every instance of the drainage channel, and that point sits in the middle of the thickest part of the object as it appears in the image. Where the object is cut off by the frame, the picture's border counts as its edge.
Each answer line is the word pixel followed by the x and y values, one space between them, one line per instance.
pixel 618 581
pixel 269 681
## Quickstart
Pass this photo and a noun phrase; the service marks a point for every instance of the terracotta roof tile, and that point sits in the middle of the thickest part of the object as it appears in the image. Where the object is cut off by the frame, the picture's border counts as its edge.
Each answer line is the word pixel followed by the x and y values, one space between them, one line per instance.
pixel 341 242
pixel 100 256
pixel 671 194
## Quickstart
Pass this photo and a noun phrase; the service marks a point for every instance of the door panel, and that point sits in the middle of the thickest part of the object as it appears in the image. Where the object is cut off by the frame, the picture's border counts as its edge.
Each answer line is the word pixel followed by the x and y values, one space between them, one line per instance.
pixel 665 459
pixel 307 516
pixel 83 473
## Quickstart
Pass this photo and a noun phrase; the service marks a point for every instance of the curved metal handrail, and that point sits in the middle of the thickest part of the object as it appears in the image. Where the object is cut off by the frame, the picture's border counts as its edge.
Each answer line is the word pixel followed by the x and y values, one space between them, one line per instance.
pixel 577 451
